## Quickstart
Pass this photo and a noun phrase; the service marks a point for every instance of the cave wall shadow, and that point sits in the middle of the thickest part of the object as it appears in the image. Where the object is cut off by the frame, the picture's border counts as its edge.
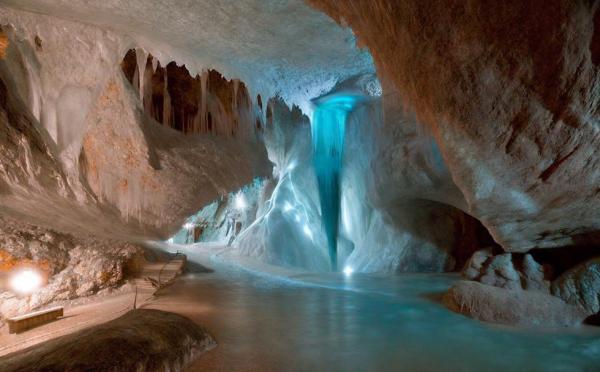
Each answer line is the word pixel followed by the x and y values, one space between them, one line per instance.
pixel 444 226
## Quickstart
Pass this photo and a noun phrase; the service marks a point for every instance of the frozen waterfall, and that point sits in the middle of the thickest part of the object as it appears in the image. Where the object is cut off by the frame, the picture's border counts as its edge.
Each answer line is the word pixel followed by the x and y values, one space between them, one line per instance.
pixel 328 129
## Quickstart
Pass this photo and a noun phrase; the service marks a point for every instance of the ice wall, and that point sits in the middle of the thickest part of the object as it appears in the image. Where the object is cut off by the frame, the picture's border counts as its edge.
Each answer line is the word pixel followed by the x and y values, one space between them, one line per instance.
pixel 400 210
pixel 225 218
pixel 288 230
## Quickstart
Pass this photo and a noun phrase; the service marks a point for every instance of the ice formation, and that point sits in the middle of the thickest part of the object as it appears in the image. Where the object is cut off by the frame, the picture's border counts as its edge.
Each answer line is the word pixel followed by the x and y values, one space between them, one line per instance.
pixel 328 130
pixel 65 82
pixel 276 47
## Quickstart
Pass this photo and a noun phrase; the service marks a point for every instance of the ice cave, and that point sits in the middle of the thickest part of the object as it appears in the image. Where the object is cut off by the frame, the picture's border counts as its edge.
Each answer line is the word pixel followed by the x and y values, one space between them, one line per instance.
pixel 300 185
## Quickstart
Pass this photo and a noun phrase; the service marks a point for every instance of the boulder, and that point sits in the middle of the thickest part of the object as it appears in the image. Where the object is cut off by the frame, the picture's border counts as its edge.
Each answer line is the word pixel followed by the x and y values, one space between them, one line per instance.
pixel 581 286
pixel 507 270
pixel 140 340
pixel 74 266
pixel 511 307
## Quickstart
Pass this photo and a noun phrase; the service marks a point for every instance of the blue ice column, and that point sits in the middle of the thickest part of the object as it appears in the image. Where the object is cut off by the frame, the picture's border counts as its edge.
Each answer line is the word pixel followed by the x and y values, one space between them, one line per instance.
pixel 328 129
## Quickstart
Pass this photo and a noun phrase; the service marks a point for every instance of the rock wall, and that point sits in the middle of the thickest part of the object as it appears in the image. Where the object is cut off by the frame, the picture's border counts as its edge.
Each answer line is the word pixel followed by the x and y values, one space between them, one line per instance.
pixel 81 145
pixel 510 92
pixel 70 266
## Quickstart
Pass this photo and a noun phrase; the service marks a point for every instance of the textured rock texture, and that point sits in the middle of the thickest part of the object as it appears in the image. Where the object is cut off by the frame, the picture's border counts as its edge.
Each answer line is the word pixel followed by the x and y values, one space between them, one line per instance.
pixel 77 141
pixel 72 266
pixel 581 286
pixel 511 93
pixel 508 270
pixel 511 307
pixel 141 340
pixel 275 46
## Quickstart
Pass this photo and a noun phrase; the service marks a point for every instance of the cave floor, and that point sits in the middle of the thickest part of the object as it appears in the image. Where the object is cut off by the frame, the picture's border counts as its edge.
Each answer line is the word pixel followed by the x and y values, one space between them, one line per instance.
pixel 295 321
pixel 89 311
pixel 272 319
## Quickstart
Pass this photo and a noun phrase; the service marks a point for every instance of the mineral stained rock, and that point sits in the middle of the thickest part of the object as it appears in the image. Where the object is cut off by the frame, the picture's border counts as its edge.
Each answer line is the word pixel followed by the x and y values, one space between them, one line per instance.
pixel 72 266
pixel 76 141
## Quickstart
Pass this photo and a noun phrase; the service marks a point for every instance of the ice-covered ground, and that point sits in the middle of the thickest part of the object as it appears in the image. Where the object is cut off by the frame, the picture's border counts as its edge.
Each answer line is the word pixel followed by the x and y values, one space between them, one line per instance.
pixel 292 320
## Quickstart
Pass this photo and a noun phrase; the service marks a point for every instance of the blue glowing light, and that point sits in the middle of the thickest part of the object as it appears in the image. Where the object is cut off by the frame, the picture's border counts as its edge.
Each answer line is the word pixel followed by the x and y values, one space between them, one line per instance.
pixel 328 130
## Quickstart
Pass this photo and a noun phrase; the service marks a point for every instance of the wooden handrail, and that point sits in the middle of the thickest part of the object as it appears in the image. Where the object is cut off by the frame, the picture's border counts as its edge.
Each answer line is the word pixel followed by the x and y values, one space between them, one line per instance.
pixel 165 265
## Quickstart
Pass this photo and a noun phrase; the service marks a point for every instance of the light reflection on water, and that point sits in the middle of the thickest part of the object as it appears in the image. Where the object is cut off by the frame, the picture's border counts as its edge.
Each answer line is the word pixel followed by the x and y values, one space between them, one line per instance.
pixel 362 323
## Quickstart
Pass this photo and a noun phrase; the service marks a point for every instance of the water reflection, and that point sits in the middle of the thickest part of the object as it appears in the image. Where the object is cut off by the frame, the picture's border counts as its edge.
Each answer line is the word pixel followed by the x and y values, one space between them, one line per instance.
pixel 366 323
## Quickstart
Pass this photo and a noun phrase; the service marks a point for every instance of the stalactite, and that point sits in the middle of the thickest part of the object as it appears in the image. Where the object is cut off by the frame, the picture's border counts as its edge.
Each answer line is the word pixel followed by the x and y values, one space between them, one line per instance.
pixel 166 102
pixel 154 64
pixel 174 98
pixel 141 59
pixel 203 87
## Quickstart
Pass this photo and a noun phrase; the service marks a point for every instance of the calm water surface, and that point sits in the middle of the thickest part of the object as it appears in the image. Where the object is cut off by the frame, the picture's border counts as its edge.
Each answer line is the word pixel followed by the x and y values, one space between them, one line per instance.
pixel 332 322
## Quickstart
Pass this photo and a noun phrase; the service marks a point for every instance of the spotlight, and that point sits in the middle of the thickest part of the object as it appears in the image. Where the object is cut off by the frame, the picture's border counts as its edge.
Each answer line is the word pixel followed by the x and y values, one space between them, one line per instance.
pixel 307 231
pixel 240 201
pixel 25 281
pixel 287 207
pixel 348 270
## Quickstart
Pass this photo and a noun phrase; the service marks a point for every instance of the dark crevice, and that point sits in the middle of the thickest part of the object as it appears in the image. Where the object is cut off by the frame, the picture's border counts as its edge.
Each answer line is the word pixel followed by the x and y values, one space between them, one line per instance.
pixel 564 258
pixel 545 175
pixel 455 231
pixel 595 43
pixel 200 104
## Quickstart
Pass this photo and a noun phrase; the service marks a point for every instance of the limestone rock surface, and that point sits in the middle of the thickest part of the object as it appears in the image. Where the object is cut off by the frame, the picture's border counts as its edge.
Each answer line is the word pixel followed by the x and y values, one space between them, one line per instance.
pixel 511 307
pixel 511 93
pixel 71 266
pixel 580 286
pixel 509 271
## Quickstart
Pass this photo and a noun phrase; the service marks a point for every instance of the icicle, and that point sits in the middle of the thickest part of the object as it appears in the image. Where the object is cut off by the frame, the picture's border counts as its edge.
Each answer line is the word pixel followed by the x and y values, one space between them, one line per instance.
pixel 141 58
pixel 166 102
pixel 203 88
pixel 196 123
pixel 236 85
pixel 154 64
pixel 236 116
pixel 136 80
pixel 147 101
pixel 328 128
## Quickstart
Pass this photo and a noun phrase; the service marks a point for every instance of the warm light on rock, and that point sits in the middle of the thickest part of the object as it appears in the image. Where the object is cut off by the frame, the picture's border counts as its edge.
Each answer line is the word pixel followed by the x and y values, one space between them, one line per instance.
pixel 26 281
